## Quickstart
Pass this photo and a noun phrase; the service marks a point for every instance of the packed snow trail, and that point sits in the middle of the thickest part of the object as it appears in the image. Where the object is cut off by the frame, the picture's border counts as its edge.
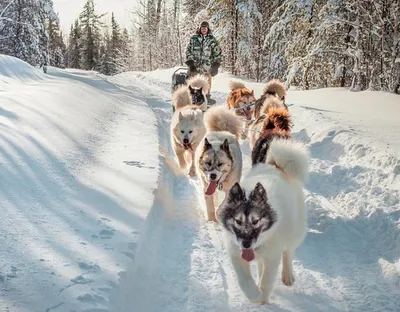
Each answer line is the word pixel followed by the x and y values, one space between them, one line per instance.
pixel 78 159
pixel 348 262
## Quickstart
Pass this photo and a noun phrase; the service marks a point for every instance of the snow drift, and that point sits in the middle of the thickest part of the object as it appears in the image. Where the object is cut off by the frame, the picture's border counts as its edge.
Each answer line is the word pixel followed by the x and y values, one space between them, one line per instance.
pixel 78 165
pixel 95 220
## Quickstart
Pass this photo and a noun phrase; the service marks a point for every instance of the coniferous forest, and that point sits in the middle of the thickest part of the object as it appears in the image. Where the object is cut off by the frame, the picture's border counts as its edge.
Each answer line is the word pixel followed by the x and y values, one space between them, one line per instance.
pixel 306 43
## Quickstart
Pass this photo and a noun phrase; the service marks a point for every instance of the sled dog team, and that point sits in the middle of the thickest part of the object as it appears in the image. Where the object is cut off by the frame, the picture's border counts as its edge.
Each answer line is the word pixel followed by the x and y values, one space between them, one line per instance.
pixel 263 213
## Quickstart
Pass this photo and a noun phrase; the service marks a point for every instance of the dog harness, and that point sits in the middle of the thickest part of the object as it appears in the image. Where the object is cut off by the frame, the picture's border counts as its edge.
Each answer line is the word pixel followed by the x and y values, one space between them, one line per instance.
pixel 247 106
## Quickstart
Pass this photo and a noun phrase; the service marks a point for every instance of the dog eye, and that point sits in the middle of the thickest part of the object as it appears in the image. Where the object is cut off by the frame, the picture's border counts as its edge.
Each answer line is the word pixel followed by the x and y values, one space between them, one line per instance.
pixel 182 131
pixel 190 131
pixel 219 165
pixel 209 163
pixel 238 222
pixel 255 222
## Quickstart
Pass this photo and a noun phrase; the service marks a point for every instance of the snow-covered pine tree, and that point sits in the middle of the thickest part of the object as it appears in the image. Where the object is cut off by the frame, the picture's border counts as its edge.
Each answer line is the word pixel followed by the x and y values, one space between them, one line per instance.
pixel 126 50
pixel 74 49
pixel 115 47
pixel 57 48
pixel 106 62
pixel 90 23
pixel 23 29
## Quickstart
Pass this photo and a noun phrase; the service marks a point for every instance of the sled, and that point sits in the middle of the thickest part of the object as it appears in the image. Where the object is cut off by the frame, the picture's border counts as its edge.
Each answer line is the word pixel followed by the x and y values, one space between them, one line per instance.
pixel 179 77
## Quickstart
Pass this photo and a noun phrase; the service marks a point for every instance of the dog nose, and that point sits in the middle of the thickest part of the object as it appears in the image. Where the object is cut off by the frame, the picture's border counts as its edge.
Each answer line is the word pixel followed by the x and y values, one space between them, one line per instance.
pixel 185 140
pixel 246 243
pixel 213 176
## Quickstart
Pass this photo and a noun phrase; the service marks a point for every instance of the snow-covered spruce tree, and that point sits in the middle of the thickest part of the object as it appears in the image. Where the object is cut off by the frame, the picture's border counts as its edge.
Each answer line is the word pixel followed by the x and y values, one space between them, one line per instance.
pixel 106 64
pixel 90 23
pixel 116 47
pixel 57 48
pixel 23 29
pixel 74 49
pixel 126 50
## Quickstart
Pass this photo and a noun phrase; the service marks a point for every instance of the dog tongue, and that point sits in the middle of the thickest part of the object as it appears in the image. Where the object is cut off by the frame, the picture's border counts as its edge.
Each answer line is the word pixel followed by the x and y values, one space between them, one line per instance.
pixel 248 254
pixel 211 187
pixel 248 114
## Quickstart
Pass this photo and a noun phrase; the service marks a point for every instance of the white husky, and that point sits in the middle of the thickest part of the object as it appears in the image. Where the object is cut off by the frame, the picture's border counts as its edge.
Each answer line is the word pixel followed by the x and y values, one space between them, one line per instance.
pixel 265 218
pixel 187 130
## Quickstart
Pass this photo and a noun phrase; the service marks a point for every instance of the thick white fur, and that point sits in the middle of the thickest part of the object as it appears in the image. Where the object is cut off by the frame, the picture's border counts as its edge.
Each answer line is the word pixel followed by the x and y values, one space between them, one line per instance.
pixel 284 188
pixel 275 86
pixel 291 156
pixel 221 118
pixel 199 81
pixel 187 119
pixel 234 84
pixel 220 125
pixel 181 96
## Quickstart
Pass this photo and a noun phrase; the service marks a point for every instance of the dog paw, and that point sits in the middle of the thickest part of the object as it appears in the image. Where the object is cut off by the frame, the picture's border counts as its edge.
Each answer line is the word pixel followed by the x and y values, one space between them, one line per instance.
pixel 263 302
pixel 287 279
pixel 212 219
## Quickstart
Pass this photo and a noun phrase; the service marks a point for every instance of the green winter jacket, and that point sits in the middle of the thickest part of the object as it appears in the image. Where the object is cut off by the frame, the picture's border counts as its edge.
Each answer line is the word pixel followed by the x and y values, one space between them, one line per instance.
pixel 204 50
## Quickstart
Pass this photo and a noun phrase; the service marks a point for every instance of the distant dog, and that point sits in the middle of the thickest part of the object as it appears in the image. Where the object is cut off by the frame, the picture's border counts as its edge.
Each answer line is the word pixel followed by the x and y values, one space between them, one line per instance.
pixel 276 121
pixel 277 125
pixel 193 93
pixel 265 218
pixel 187 131
pixel 218 157
pixel 274 95
pixel 241 100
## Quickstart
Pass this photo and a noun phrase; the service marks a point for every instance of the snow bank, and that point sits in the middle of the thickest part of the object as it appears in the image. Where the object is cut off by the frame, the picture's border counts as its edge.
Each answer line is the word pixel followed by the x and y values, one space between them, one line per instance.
pixel 78 166
pixel 11 67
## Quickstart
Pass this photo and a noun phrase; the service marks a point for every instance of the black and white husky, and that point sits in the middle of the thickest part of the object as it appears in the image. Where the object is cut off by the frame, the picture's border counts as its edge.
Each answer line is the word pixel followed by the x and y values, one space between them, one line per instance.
pixel 265 218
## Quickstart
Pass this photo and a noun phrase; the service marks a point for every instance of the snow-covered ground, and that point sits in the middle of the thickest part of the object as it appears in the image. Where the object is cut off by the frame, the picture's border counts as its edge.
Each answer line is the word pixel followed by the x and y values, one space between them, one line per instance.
pixel 94 219
pixel 78 167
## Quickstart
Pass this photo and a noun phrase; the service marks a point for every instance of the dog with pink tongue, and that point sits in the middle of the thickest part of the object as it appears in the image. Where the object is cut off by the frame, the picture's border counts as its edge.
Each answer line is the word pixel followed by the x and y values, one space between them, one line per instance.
pixel 264 218
pixel 218 158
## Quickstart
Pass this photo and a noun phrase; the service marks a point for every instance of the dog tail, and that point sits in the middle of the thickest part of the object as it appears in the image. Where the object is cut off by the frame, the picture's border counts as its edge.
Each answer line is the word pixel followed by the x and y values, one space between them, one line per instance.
pixel 291 157
pixel 221 118
pixel 234 85
pixel 199 81
pixel 279 119
pixel 275 87
pixel 181 98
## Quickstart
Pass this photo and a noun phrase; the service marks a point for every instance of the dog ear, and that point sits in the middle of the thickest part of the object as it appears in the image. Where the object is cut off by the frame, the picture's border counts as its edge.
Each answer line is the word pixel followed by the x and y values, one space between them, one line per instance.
pixel 190 89
pixel 259 194
pixel 252 92
pixel 225 146
pixel 207 145
pixel 236 193
pixel 201 89
pixel 180 116
pixel 236 96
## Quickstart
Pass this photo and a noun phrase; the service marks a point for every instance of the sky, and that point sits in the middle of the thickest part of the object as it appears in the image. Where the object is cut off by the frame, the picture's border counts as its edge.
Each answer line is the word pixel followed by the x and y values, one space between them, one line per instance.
pixel 68 10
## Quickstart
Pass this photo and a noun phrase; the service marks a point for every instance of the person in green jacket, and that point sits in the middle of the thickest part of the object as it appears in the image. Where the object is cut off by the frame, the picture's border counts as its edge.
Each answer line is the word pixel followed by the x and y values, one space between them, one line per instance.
pixel 203 53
